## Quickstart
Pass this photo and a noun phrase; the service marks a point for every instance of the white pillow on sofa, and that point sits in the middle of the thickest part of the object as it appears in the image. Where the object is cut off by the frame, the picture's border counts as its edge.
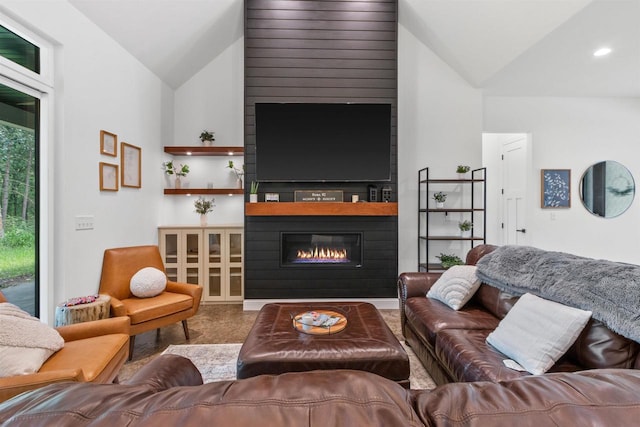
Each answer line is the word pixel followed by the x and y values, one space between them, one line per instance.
pixel 148 282
pixel 455 286
pixel 536 332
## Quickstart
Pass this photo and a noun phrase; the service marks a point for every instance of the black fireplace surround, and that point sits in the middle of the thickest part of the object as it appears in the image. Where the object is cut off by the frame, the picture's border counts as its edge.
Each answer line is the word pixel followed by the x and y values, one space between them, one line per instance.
pixel 344 53
pixel 374 276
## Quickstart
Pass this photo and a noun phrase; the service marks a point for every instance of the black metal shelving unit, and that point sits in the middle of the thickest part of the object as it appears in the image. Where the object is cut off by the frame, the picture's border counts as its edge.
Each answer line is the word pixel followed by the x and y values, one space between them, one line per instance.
pixel 472 209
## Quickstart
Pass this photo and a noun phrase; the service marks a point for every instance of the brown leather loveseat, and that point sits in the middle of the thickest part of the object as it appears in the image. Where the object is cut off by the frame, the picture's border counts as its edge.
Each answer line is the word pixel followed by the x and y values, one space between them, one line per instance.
pixel 168 392
pixel 451 344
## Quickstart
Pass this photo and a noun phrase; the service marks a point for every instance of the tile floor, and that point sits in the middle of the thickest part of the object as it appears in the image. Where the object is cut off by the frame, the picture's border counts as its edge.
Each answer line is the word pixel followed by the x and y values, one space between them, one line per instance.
pixel 214 324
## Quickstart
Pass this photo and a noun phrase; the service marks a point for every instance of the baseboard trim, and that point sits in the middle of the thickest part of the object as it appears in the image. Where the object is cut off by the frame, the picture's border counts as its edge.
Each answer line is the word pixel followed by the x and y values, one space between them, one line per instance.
pixel 379 303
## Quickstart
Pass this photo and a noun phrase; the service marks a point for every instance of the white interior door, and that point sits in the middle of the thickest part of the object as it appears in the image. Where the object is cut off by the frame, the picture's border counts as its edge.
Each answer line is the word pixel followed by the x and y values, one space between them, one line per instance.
pixel 514 155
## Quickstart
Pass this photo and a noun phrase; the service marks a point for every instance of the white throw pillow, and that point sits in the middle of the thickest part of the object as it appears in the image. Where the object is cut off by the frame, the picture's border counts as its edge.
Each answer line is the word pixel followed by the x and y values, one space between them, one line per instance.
pixel 148 282
pixel 25 342
pixel 455 286
pixel 537 332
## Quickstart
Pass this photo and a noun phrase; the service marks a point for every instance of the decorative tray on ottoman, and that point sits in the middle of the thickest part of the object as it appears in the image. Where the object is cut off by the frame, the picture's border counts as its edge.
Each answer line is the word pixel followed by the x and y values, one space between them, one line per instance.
pixel 319 322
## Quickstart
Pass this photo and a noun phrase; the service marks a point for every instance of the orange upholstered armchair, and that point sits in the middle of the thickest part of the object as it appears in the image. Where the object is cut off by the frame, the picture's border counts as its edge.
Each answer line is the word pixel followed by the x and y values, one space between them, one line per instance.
pixel 93 352
pixel 178 302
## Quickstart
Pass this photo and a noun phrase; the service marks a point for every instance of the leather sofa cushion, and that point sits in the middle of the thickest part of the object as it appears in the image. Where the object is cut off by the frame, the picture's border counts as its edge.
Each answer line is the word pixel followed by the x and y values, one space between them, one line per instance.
pixel 494 300
pixel 144 309
pixel 93 355
pixel 467 357
pixel 588 398
pixel 599 347
pixel 427 317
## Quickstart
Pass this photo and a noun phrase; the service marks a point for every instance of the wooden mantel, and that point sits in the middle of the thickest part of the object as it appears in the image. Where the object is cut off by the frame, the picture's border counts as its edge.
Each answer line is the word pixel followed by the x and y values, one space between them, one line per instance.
pixel 320 209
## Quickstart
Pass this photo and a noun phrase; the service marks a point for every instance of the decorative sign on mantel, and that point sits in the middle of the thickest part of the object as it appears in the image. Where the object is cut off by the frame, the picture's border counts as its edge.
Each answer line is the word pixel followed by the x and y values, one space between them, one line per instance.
pixel 319 196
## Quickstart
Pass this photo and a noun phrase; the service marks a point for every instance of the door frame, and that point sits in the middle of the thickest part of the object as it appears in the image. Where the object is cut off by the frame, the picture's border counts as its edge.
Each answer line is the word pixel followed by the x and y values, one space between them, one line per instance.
pixel 492 144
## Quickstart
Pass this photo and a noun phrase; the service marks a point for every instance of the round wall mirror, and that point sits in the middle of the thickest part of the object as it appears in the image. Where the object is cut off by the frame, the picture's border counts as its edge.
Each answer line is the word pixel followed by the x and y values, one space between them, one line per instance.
pixel 607 189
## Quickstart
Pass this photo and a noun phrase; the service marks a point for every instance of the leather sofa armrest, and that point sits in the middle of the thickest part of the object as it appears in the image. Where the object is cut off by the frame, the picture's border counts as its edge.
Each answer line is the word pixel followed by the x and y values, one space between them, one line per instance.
pixel 117 308
pixel 79 331
pixel 412 285
pixel 13 386
pixel 166 371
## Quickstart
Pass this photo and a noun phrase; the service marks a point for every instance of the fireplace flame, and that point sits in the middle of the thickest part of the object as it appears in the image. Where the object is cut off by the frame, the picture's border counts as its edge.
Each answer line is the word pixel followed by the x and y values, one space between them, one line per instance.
pixel 323 254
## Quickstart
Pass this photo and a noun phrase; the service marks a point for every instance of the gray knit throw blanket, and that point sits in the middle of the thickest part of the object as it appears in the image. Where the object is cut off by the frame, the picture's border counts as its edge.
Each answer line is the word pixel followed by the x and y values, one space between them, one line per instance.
pixel 611 290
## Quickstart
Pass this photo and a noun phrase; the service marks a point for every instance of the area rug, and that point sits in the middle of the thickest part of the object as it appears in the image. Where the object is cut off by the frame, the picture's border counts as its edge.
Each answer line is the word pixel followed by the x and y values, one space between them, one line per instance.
pixel 217 362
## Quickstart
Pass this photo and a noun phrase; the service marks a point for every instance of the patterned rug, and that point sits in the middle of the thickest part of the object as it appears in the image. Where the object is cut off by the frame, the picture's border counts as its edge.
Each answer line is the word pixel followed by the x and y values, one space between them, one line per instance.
pixel 217 362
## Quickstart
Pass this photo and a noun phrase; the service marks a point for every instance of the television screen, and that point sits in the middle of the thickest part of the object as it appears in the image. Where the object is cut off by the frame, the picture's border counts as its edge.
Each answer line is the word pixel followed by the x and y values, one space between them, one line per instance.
pixel 323 142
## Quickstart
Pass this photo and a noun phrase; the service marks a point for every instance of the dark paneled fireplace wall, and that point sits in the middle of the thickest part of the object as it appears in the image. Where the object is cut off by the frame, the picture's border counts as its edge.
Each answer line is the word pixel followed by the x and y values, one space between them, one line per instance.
pixel 330 52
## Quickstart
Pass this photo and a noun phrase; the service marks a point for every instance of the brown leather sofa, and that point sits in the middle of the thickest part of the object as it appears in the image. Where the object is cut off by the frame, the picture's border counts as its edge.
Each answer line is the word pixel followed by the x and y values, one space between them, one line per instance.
pixel 93 352
pixel 177 303
pixel 168 391
pixel 451 344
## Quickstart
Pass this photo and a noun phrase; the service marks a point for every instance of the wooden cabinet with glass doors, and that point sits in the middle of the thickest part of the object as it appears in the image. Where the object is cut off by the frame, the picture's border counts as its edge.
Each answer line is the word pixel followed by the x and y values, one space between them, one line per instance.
pixel 210 256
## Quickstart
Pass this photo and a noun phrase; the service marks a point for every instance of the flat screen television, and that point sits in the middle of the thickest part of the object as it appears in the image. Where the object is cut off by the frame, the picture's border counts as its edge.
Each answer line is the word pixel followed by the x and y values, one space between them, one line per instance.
pixel 299 142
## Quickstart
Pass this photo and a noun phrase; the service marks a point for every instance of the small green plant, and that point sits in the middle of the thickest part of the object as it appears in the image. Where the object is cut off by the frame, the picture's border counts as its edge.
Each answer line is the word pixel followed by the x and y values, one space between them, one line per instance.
pixel 171 169
pixel 448 260
pixel 465 225
pixel 463 169
pixel 440 197
pixel 207 136
pixel 203 206
pixel 238 171
pixel 254 187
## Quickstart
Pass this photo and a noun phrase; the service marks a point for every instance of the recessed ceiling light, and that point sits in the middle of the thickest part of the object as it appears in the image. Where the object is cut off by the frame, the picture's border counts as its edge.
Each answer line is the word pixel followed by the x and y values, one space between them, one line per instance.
pixel 188 153
pixel 602 51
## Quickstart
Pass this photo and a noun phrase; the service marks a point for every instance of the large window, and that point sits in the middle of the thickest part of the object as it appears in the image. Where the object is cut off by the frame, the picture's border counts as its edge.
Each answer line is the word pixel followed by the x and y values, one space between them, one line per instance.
pixel 22 90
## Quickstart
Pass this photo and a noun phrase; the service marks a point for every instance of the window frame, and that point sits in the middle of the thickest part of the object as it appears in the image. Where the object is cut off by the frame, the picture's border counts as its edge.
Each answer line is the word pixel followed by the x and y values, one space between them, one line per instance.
pixel 40 86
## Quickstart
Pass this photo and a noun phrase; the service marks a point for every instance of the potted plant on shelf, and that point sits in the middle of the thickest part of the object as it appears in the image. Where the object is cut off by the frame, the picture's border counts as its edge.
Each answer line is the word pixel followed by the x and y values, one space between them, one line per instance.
pixel 253 192
pixel 448 260
pixel 179 172
pixel 462 170
pixel 207 137
pixel 465 228
pixel 203 207
pixel 238 171
pixel 440 198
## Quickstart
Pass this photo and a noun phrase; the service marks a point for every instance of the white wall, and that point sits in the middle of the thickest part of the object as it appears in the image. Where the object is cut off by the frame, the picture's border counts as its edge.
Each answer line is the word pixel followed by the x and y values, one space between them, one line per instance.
pixel 574 133
pixel 98 85
pixel 213 99
pixel 439 126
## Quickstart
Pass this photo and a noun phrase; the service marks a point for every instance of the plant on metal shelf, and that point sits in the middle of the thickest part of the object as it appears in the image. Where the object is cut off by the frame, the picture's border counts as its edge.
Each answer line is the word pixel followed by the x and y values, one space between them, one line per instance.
pixel 440 198
pixel 465 228
pixel 449 260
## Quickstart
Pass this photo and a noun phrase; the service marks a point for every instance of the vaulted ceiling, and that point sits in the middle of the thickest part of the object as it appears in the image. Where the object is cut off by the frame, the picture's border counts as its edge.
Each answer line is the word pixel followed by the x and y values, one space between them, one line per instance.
pixel 505 47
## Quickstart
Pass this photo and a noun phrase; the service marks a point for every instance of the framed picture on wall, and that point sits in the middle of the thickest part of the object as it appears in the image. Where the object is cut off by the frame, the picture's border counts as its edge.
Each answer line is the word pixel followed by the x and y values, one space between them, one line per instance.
pixel 108 143
pixel 131 162
pixel 108 177
pixel 555 188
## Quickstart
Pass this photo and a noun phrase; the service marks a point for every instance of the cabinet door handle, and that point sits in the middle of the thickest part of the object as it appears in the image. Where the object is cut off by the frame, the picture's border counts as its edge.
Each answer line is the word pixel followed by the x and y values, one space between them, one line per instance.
pixel 522 230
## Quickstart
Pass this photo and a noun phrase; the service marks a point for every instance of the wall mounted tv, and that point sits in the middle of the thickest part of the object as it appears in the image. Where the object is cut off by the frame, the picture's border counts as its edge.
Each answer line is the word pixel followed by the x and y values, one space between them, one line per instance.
pixel 299 142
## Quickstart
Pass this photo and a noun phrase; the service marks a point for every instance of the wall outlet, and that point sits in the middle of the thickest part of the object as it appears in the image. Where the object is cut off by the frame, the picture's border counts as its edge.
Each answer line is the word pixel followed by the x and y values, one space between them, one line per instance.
pixel 84 222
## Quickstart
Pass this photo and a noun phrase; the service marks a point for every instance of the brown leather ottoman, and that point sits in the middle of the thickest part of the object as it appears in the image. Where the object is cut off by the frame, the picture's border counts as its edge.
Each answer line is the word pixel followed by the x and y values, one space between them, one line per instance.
pixel 274 346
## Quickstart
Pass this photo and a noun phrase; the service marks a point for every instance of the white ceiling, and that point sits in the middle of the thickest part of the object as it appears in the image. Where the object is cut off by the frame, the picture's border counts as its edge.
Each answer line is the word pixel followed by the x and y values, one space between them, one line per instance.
pixel 506 47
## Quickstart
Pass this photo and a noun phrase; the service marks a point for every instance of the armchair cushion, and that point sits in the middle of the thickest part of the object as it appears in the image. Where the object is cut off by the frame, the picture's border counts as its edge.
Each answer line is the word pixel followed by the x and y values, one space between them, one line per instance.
pixel 145 309
pixel 148 282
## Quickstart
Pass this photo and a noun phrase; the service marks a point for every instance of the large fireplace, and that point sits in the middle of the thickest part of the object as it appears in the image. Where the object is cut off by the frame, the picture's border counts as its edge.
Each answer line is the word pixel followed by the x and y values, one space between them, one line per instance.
pixel 321 249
